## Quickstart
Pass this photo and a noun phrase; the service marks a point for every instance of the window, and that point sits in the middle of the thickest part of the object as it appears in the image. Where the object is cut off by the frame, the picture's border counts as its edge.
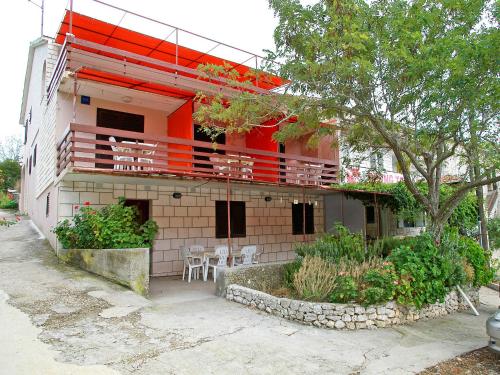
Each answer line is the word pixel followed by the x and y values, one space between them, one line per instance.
pixel 34 156
pixel 370 214
pixel 142 208
pixel 298 218
pixel 47 205
pixel 29 166
pixel 200 135
pixel 238 219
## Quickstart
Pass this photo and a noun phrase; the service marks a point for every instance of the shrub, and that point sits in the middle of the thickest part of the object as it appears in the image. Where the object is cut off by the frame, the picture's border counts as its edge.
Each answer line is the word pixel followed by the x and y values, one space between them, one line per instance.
pixel 114 226
pixel 333 247
pixel 378 285
pixel 425 274
pixel 479 259
pixel 345 290
pixel 315 279
pixel 289 271
pixel 7 202
pixel 494 232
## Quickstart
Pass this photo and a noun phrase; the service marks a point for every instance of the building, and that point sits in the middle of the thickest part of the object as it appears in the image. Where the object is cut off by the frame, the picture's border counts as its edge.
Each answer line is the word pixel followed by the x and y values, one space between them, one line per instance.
pixel 108 113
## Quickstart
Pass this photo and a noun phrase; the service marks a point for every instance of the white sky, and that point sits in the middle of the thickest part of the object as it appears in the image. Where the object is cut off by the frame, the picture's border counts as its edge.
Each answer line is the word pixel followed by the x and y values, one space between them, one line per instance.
pixel 247 24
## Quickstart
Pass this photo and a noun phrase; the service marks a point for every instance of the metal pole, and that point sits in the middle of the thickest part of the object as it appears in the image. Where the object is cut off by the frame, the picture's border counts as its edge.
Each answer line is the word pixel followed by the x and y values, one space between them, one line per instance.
pixel 228 198
pixel 71 16
pixel 342 207
pixel 468 300
pixel 377 215
pixel 43 10
pixel 176 46
pixel 74 97
pixel 303 214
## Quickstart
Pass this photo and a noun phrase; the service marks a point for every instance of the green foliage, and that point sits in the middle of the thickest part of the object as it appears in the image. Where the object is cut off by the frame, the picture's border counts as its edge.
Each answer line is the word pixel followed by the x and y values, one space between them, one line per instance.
pixel 289 270
pixel 114 226
pixel 425 273
pixel 10 173
pixel 403 203
pixel 7 202
pixel 345 290
pixel 378 285
pixel 494 232
pixel 334 247
pixel 479 259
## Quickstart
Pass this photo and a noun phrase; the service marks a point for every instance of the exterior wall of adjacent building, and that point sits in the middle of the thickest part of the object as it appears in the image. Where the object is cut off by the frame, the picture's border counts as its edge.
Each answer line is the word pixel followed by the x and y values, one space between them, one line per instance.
pixel 191 219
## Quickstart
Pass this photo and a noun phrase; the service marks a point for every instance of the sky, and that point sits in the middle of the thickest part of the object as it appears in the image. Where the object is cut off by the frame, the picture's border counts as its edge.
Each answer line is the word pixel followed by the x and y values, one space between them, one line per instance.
pixel 247 24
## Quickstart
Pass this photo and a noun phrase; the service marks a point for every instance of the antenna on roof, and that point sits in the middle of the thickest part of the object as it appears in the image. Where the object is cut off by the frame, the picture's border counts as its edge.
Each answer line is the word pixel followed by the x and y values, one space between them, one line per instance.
pixel 42 8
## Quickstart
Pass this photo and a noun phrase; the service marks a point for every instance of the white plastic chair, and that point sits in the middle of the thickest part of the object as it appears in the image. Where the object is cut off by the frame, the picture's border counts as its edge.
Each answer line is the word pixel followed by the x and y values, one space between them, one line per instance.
pixel 120 157
pixel 148 160
pixel 191 263
pixel 222 253
pixel 219 168
pixel 247 255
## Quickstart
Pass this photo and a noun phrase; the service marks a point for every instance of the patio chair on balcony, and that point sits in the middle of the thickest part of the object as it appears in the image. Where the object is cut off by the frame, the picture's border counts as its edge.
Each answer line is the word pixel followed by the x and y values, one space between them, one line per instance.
pixel 314 172
pixel 295 172
pixel 145 159
pixel 219 167
pixel 192 263
pixel 221 253
pixel 121 157
pixel 247 168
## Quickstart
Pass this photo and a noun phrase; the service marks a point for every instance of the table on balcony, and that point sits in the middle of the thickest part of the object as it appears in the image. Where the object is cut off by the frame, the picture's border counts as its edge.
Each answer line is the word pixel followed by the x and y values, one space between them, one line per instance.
pixel 146 154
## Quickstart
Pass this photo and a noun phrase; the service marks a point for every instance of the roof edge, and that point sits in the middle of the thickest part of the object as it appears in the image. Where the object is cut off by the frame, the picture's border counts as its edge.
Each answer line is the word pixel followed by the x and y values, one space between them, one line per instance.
pixel 27 76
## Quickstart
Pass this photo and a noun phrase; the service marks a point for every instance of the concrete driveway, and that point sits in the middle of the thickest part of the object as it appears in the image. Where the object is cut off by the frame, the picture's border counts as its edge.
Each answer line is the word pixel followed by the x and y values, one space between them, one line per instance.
pixel 59 320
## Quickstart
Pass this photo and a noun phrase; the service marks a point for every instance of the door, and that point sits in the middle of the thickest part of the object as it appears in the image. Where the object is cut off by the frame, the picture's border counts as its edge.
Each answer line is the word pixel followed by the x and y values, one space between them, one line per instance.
pixel 200 135
pixel 110 119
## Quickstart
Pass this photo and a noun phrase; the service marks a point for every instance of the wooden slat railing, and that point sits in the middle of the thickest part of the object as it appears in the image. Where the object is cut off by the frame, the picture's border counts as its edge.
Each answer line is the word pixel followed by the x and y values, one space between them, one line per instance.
pixel 89 147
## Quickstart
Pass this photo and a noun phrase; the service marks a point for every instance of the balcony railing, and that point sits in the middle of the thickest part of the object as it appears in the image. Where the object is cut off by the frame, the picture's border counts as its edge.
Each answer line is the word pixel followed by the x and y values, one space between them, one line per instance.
pixel 92 148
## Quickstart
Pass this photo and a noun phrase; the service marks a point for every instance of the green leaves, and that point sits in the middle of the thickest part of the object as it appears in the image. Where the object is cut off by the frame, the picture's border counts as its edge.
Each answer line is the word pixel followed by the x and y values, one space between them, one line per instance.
pixel 112 227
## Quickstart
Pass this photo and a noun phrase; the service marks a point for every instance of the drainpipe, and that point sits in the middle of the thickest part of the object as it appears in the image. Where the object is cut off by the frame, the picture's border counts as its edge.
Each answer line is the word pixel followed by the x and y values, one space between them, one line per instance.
pixel 228 198
pixel 303 214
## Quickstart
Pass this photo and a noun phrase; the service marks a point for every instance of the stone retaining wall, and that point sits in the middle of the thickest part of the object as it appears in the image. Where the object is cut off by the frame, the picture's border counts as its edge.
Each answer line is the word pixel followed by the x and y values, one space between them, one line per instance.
pixel 346 316
pixel 127 267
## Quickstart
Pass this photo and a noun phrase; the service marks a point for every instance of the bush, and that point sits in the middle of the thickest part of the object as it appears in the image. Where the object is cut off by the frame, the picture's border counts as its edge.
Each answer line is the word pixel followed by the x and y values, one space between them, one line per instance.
pixel 345 290
pixel 479 259
pixel 114 226
pixel 289 271
pixel 425 273
pixel 7 202
pixel 378 285
pixel 315 279
pixel 494 232
pixel 334 247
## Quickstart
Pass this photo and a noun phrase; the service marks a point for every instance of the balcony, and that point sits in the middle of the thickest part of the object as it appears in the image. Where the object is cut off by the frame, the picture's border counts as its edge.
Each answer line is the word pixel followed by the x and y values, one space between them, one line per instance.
pixel 88 148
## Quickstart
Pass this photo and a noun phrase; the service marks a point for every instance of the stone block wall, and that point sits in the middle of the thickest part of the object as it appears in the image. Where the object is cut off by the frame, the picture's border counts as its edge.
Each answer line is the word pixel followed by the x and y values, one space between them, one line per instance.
pixel 191 219
pixel 346 316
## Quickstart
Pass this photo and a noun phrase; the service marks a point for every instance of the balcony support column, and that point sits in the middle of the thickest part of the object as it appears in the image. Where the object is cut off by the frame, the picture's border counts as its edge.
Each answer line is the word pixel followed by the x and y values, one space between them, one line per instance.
pixel 228 198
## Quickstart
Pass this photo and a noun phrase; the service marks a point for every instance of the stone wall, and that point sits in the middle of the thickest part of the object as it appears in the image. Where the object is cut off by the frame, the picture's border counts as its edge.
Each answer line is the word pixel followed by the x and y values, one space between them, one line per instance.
pixel 263 277
pixel 127 267
pixel 191 219
pixel 346 316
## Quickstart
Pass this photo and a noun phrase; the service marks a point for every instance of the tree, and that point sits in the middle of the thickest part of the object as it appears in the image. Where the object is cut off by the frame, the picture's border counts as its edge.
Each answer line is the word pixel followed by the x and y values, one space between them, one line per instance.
pixel 10 148
pixel 418 77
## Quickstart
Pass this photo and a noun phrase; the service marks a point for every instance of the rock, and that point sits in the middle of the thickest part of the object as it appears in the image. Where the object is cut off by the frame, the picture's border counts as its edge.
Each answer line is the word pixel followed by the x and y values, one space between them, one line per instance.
pixel 361 318
pixel 351 325
pixel 285 302
pixel 317 323
pixel 371 310
pixel 360 325
pixel 317 309
pixel 359 310
pixel 333 317
pixel 381 310
pixel 339 324
pixel 330 324
pixel 349 310
pixel 346 318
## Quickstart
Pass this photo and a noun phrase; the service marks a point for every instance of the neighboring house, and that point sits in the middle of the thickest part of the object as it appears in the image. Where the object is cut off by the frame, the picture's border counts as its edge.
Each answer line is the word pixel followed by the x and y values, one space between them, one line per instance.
pixel 108 114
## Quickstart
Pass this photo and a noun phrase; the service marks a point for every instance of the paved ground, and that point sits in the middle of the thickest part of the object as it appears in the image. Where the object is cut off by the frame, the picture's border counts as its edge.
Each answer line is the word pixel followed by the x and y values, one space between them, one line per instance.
pixel 56 319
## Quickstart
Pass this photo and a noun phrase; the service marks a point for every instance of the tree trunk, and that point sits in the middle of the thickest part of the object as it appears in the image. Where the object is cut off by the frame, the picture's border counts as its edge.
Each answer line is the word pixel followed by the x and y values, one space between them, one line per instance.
pixel 436 227
pixel 483 220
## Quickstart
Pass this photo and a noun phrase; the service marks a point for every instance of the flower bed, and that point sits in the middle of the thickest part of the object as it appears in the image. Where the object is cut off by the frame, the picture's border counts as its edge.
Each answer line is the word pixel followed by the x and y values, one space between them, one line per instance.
pixel 109 242
pixel 347 316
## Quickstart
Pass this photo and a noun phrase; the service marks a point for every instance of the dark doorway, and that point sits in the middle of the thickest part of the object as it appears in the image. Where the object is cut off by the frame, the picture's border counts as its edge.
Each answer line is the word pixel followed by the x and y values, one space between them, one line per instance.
pixel 110 119
pixel 281 149
pixel 298 218
pixel 200 135
pixel 142 206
